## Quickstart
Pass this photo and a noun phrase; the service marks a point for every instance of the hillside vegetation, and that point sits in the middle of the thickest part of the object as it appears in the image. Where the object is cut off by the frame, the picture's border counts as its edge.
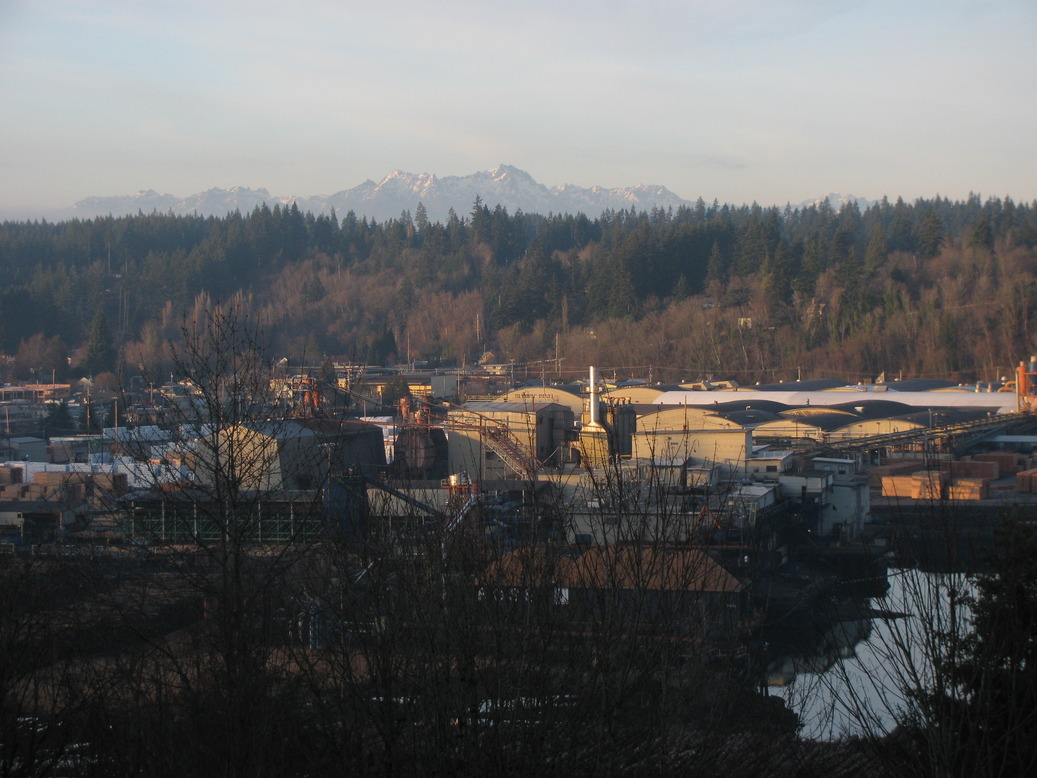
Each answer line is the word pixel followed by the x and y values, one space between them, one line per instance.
pixel 930 288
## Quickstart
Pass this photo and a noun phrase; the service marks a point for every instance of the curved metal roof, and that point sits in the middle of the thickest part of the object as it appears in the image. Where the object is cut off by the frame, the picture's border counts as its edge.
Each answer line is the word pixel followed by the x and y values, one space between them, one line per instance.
pixel 750 417
pixel 993 402
pixel 770 406
pixel 814 385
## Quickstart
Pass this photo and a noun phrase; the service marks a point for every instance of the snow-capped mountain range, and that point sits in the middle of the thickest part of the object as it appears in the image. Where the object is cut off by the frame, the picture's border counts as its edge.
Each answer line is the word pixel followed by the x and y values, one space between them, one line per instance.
pixel 399 191
pixel 837 201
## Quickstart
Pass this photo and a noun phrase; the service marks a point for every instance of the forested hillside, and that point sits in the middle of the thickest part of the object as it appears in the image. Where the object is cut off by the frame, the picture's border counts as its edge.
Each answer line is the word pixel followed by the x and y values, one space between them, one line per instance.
pixel 930 288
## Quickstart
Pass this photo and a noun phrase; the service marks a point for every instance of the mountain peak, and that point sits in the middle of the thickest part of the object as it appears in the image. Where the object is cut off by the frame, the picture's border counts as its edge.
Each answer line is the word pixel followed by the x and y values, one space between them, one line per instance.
pixel 503 171
pixel 837 201
pixel 505 185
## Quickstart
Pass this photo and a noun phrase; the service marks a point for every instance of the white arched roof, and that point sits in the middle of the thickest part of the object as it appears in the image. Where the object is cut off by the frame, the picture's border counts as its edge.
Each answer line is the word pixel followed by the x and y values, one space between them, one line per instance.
pixel 536 396
pixel 639 395
pixel 997 402
pixel 684 418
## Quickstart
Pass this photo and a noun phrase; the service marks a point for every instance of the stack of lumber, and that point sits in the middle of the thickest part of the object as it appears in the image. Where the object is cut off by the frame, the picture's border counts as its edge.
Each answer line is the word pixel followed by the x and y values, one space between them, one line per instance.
pixel 62 486
pixel 931 485
pixel 969 489
pixel 59 479
pixel 879 472
pixel 901 486
pixel 45 492
pixel 10 475
pixel 1026 481
pixel 970 468
pixel 924 485
pixel 13 492
pixel 1007 462
pixel 116 483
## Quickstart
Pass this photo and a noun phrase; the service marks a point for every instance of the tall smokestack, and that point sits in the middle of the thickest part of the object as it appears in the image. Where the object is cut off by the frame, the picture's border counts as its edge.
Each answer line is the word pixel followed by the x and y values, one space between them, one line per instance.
pixel 594 396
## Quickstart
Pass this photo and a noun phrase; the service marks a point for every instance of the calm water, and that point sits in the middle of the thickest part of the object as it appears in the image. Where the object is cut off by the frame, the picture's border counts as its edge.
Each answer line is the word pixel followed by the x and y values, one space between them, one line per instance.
pixel 853 685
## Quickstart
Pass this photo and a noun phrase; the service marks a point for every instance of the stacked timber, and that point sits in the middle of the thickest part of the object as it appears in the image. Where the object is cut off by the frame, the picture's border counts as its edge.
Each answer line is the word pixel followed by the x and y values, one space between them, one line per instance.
pixel 10 475
pixel 1026 481
pixel 931 485
pixel 60 479
pixel 13 492
pixel 59 486
pixel 116 483
pixel 970 468
pixel 969 489
pixel 44 492
pixel 902 486
pixel 923 485
pixel 1007 462
pixel 879 473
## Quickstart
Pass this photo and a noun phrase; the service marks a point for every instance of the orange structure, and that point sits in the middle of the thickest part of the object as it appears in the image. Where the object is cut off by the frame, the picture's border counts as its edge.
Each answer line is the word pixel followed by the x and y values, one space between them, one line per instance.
pixel 1026 385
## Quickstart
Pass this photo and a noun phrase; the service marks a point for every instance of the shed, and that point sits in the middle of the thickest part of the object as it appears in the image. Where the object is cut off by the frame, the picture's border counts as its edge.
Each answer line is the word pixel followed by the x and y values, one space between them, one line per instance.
pixel 29 449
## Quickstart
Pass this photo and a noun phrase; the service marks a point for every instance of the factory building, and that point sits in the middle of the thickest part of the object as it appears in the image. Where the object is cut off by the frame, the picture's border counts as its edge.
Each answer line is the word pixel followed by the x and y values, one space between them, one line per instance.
pixel 499 440
pixel 536 396
pixel 267 457
pixel 727 448
pixel 684 417
pixel 990 402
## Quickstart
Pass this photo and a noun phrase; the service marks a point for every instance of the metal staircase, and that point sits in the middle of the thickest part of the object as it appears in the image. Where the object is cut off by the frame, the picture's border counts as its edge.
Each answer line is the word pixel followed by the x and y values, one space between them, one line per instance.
pixel 462 514
pixel 514 454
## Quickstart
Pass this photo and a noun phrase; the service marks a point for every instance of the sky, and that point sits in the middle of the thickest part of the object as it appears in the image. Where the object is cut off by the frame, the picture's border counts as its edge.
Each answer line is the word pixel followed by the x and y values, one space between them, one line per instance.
pixel 768 101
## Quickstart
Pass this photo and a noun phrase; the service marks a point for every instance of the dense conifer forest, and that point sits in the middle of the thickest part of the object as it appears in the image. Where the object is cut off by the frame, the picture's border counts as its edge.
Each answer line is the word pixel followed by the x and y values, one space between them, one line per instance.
pixel 930 288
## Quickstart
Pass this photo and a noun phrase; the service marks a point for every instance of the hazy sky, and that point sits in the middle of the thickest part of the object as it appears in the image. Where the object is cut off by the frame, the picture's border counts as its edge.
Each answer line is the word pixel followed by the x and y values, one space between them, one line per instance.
pixel 767 100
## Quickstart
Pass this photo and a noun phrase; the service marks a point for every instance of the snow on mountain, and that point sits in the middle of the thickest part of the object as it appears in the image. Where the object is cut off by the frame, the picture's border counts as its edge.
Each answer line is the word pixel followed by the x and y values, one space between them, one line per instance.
pixel 223 201
pixel 146 201
pixel 400 191
pixel 837 201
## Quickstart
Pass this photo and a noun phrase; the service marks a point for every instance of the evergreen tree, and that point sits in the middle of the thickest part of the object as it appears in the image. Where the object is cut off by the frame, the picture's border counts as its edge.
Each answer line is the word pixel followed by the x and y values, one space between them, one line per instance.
pixel 901 234
pixel 751 251
pixel 100 354
pixel 877 249
pixel 929 235
pixel 989 715
pixel 481 221
pixel 313 289
pixel 980 234
pixel 777 286
pixel 421 221
pixel 395 389
pixel 91 416
pixel 58 421
pixel 716 269
pixel 680 289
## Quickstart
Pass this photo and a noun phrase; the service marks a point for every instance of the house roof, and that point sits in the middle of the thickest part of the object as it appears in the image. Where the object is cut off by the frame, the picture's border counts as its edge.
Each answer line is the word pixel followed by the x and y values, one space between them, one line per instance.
pixel 656 569
pixel 529 566
pixel 613 567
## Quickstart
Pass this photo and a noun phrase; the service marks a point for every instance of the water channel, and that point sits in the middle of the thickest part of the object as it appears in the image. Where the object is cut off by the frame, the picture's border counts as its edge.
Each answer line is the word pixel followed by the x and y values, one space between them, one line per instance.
pixel 852 681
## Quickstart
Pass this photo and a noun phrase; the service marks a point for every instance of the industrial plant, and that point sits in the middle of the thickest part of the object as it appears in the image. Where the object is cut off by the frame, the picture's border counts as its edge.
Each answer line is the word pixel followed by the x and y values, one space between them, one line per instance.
pixel 730 535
